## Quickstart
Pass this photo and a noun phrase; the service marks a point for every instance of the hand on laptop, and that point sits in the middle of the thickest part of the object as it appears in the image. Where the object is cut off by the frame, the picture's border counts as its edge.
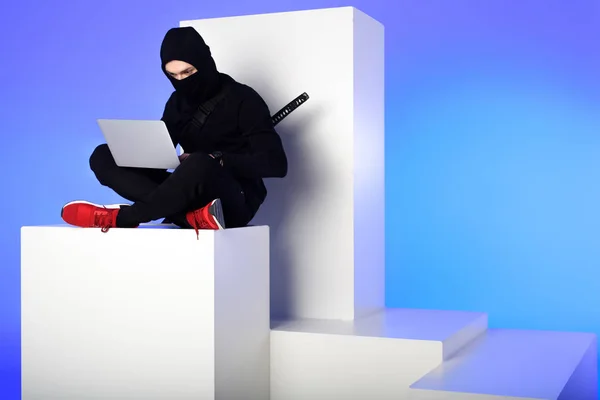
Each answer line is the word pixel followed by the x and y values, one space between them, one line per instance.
pixel 183 156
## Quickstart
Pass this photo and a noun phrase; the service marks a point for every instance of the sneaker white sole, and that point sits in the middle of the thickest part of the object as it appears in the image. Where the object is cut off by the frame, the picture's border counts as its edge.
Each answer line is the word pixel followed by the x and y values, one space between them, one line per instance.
pixel 216 211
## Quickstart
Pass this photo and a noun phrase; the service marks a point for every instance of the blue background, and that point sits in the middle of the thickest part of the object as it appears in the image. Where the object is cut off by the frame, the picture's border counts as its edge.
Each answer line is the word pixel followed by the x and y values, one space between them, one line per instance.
pixel 493 136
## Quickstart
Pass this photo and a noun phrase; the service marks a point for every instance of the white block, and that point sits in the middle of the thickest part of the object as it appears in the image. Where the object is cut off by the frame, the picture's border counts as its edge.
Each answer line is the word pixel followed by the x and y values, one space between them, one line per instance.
pixel 144 313
pixel 514 364
pixel 377 357
pixel 327 215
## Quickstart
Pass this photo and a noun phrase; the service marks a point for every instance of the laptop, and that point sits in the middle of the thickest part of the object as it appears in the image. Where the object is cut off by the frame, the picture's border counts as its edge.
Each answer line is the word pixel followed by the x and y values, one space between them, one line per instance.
pixel 139 143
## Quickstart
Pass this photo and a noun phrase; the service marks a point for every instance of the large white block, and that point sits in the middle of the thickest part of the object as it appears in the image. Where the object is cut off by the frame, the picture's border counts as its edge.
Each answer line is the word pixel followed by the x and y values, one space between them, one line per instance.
pixel 327 215
pixel 376 357
pixel 145 313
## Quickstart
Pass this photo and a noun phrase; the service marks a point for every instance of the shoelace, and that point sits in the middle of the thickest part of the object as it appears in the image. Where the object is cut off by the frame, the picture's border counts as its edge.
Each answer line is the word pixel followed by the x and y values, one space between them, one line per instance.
pixel 200 223
pixel 102 219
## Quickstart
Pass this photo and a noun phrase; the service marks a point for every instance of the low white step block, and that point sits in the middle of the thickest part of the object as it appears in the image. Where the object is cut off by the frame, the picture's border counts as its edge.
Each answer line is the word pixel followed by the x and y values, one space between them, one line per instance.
pixel 513 364
pixel 376 357
pixel 145 314
pixel 327 216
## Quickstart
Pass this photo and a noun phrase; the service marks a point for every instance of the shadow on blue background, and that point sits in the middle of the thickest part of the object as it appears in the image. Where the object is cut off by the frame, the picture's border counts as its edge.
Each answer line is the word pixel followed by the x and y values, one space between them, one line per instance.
pixel 493 136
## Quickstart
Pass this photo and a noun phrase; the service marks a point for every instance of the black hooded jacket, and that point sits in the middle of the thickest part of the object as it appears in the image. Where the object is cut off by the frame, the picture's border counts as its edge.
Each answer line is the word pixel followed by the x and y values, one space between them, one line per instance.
pixel 240 126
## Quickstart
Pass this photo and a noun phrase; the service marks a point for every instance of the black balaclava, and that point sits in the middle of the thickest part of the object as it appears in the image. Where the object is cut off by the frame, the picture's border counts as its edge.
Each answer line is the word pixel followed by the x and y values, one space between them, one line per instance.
pixel 186 44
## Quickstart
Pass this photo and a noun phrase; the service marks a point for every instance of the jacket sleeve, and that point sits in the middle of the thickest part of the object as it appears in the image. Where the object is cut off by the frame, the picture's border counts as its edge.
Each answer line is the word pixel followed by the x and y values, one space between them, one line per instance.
pixel 265 156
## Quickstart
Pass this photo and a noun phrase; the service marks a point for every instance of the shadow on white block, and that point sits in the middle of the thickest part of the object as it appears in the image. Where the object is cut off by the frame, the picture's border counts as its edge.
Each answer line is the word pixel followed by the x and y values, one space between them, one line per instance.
pixel 377 357
pixel 327 215
pixel 145 313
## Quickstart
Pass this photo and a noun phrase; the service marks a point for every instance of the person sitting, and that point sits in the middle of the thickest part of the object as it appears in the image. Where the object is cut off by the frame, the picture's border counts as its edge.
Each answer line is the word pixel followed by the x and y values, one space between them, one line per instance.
pixel 219 182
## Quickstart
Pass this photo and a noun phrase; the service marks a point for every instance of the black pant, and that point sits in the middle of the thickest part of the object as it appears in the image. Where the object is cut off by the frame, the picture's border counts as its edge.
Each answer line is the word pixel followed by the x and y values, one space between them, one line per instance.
pixel 160 194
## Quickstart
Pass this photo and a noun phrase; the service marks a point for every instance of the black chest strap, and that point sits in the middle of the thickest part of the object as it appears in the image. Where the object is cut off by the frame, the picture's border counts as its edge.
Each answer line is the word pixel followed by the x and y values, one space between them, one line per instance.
pixel 206 108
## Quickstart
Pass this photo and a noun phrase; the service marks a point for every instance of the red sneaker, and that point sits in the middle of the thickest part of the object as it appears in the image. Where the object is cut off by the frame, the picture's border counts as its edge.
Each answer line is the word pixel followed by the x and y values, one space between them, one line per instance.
pixel 207 217
pixel 90 215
